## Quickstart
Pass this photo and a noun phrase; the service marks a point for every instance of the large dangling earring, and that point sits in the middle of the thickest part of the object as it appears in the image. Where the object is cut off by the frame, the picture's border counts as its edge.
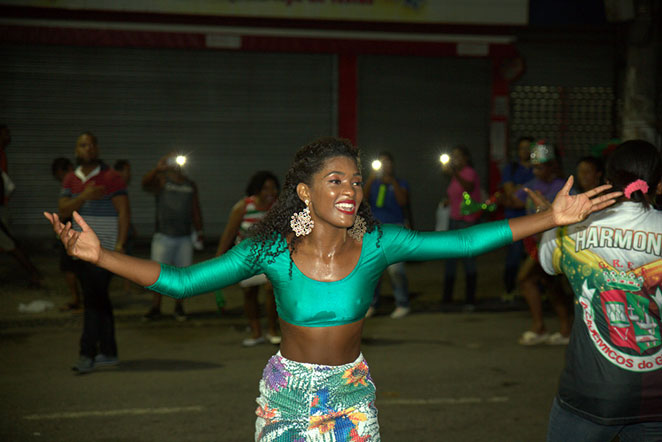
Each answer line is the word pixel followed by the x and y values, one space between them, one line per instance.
pixel 301 222
pixel 358 229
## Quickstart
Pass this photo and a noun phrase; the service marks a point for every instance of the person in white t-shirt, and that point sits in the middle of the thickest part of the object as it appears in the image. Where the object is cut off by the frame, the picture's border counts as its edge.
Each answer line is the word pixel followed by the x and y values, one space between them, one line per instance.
pixel 612 381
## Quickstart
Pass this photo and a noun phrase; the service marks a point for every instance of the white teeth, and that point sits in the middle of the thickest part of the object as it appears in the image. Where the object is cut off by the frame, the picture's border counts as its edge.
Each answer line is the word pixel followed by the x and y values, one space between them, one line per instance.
pixel 344 206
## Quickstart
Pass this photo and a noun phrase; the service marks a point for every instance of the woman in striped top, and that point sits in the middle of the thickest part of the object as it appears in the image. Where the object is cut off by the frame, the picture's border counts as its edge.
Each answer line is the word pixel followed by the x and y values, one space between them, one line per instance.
pixel 261 193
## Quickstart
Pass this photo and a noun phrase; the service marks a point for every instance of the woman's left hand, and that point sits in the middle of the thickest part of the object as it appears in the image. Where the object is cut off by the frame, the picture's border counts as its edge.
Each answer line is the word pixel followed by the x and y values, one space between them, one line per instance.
pixel 570 209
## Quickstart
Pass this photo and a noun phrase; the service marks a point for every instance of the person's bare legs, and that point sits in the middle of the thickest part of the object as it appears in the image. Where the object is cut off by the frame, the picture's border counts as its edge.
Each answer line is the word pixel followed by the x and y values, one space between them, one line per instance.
pixel 528 278
pixel 252 310
pixel 558 301
pixel 154 311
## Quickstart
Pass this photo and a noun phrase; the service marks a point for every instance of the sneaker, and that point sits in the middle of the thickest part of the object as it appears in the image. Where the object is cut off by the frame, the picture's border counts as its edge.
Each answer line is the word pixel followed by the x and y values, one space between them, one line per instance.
pixel 251 342
pixel 84 365
pixel 400 312
pixel 370 313
pixel 532 338
pixel 179 313
pixel 102 360
pixel 557 339
pixel 152 314
pixel 273 339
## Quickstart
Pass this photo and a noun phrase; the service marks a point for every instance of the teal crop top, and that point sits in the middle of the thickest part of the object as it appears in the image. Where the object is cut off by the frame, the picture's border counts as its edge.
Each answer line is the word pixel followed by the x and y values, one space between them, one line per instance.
pixel 303 301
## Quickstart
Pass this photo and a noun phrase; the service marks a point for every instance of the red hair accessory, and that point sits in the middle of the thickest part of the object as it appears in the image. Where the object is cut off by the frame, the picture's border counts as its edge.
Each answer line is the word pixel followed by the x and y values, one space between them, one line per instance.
pixel 634 186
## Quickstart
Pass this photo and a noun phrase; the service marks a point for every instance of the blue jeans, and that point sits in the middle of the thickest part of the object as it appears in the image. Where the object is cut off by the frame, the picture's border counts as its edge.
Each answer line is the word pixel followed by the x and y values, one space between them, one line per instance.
pixel 172 250
pixel 566 426
pixel 451 270
pixel 399 283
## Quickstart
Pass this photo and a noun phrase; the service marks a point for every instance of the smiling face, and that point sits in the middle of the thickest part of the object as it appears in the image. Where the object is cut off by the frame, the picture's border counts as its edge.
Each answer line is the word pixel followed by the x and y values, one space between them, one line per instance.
pixel 335 193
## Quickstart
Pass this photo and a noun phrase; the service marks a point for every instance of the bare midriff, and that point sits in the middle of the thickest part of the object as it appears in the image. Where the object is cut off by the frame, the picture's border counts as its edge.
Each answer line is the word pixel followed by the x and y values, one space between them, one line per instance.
pixel 336 345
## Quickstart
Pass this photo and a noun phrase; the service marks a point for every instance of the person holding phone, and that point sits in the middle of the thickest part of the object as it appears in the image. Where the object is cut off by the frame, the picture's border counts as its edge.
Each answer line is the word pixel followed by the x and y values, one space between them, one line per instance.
pixel 464 179
pixel 611 385
pixel 177 212
pixel 388 196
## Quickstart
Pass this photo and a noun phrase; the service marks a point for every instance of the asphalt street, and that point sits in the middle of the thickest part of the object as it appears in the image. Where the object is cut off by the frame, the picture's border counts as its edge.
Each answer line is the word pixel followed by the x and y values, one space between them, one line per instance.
pixel 440 376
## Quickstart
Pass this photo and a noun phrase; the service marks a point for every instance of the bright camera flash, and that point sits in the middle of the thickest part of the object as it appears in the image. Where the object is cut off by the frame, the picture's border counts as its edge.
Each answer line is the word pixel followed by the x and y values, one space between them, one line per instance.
pixel 181 160
pixel 376 165
pixel 444 158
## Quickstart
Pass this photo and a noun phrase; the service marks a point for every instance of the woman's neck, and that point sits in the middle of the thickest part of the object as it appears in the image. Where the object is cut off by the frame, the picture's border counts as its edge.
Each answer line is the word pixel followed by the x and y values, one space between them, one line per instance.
pixel 326 240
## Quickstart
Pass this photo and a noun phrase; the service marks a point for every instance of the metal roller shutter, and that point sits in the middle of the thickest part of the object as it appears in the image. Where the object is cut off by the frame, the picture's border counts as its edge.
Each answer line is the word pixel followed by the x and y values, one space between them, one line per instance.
pixel 417 107
pixel 567 97
pixel 233 112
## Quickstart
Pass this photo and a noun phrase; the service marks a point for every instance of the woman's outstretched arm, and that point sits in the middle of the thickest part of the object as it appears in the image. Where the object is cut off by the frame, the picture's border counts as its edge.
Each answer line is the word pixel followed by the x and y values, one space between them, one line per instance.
pixel 404 245
pixel 86 246
pixel 176 282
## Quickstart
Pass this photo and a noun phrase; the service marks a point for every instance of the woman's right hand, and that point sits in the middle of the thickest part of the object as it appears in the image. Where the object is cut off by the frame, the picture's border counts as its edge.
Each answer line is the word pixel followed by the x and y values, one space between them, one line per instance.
pixel 83 245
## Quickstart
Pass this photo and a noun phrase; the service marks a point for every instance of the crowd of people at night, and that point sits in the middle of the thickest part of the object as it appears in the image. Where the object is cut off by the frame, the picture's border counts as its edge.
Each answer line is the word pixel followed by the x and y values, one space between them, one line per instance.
pixel 320 245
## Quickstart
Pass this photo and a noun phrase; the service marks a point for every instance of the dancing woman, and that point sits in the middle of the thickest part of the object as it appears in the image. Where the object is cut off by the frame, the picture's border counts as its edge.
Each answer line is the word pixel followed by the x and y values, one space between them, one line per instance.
pixel 324 252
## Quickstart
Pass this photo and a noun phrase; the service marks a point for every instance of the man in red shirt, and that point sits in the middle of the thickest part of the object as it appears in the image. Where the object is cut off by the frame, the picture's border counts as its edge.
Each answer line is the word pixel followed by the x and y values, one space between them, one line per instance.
pixel 98 193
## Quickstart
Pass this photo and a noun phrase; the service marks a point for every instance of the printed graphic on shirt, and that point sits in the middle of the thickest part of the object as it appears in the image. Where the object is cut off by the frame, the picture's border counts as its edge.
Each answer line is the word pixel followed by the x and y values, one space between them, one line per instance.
pixel 626 239
pixel 621 309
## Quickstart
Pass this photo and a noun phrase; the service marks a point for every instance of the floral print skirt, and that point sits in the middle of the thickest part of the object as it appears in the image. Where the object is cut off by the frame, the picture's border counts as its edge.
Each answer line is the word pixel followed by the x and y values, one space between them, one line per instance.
pixel 302 402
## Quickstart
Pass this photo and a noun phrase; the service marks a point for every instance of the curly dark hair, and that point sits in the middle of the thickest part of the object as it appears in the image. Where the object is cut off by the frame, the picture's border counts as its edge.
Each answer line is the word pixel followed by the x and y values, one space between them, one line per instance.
pixel 268 234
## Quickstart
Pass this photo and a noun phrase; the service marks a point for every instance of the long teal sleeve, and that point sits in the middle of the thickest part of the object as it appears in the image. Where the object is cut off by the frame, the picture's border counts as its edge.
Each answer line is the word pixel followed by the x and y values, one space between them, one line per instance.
pixel 408 245
pixel 207 276
pixel 307 302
